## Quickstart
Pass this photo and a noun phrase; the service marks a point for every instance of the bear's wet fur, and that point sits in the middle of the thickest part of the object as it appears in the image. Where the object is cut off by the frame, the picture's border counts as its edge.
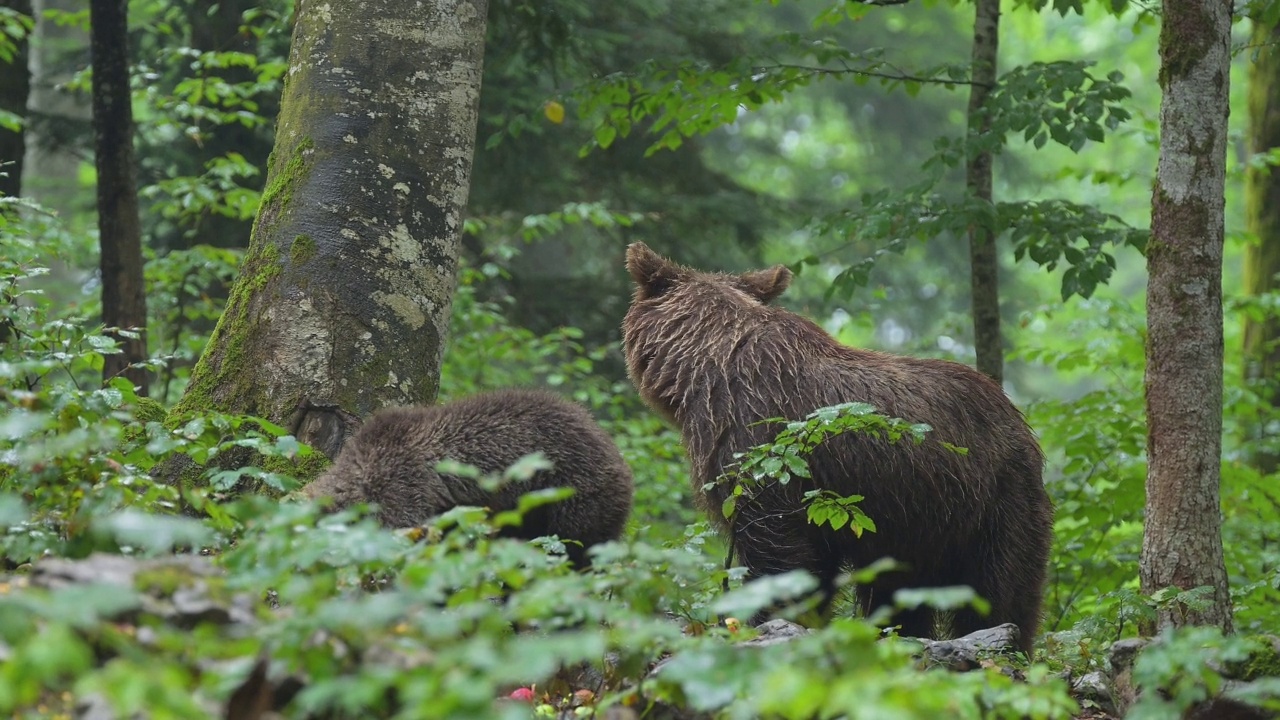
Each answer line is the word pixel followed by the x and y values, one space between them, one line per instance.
pixel 708 352
pixel 391 461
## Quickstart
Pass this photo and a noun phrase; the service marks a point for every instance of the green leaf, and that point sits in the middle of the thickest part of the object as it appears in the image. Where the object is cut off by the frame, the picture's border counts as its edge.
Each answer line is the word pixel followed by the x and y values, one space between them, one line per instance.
pixel 762 592
pixel 728 506
pixel 12 510
pixel 941 598
pixel 526 467
pixel 153 533
pixel 605 135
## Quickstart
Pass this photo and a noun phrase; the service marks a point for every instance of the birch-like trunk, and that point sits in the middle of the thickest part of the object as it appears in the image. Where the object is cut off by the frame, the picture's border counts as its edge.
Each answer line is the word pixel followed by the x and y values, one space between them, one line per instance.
pixel 342 305
pixel 124 298
pixel 1182 538
pixel 984 265
pixel 1262 210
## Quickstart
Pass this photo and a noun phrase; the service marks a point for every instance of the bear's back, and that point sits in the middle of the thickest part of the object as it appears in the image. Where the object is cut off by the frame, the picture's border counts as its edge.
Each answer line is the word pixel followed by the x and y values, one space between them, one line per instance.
pixel 395 452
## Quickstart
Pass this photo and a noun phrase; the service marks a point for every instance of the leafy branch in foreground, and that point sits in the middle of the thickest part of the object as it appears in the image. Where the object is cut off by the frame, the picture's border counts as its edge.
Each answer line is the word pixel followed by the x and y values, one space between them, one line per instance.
pixel 786 457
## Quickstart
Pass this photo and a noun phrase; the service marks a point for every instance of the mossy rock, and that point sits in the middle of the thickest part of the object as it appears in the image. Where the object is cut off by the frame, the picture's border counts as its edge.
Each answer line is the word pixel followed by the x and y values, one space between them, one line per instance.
pixel 1264 661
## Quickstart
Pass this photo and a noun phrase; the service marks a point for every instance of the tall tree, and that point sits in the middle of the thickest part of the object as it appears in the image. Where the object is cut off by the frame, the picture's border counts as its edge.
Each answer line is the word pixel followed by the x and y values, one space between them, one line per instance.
pixel 343 300
pixel 1262 211
pixel 58 120
pixel 124 299
pixel 15 84
pixel 984 264
pixel 1182 537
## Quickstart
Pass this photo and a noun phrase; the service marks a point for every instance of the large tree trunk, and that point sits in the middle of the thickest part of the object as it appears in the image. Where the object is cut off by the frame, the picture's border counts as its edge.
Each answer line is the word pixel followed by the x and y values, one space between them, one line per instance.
pixel 342 305
pixel 1182 538
pixel 984 264
pixel 15 84
pixel 124 299
pixel 1262 201
pixel 58 121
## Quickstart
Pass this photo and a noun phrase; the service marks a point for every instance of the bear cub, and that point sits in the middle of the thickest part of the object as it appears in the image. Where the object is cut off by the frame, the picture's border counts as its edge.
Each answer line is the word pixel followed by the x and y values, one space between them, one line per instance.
pixel 708 352
pixel 391 461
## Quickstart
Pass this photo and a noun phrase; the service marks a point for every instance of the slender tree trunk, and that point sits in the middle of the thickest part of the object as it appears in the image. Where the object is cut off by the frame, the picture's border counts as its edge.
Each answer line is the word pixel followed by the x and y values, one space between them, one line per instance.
pixel 15 85
pixel 1262 200
pixel 57 120
pixel 1182 538
pixel 984 264
pixel 124 299
pixel 343 301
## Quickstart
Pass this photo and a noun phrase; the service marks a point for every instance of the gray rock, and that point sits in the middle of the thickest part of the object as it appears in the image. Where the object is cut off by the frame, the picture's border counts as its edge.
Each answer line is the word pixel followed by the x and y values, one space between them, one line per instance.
pixel 774 632
pixel 1094 689
pixel 965 653
pixel 103 569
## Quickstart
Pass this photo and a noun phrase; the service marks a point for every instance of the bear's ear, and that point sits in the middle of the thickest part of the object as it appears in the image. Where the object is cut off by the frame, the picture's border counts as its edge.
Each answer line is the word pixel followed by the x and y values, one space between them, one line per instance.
pixel 653 273
pixel 766 285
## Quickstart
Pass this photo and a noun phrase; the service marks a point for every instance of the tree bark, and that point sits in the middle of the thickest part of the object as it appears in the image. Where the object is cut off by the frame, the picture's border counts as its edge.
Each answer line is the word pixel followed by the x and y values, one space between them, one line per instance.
pixel 1182 537
pixel 1262 211
pixel 984 264
pixel 343 301
pixel 15 85
pixel 124 300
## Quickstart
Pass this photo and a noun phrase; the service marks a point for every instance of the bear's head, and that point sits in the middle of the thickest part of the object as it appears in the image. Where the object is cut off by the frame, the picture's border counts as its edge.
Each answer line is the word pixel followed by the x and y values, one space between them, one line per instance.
pixel 680 317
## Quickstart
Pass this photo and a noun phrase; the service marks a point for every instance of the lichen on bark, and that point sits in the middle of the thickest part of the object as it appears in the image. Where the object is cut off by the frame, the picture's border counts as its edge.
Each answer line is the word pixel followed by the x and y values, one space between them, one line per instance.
pixel 1182 536
pixel 983 260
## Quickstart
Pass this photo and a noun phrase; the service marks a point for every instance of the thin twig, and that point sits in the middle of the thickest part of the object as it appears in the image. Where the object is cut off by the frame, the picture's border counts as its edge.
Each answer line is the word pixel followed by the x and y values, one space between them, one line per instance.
pixel 903 77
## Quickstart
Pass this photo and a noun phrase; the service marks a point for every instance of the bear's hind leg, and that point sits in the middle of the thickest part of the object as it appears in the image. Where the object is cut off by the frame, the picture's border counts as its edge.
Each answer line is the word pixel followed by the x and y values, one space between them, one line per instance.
pixel 915 622
pixel 1008 569
pixel 775 547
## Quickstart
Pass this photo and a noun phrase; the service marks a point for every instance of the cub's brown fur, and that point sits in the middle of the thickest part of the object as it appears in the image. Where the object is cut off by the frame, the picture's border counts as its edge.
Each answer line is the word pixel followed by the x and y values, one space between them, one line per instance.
pixel 391 461
pixel 708 352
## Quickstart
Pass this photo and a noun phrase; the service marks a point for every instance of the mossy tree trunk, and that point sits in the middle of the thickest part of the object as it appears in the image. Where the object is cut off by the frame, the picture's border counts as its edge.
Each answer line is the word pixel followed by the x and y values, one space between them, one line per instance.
pixel 1262 259
pixel 124 298
pixel 984 264
pixel 1182 537
pixel 342 304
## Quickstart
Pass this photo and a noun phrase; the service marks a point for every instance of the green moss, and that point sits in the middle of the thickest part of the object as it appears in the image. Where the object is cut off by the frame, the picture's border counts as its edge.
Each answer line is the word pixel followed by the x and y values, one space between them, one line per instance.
pixel 145 410
pixel 1264 661
pixel 302 249
pixel 149 410
pixel 1186 35
pixel 163 580
pixel 303 469
pixel 223 367
pixel 282 183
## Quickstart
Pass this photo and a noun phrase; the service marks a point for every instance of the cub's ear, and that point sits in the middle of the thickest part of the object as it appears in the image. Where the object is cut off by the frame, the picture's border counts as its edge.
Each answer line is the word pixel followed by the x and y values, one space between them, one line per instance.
pixel 766 285
pixel 653 273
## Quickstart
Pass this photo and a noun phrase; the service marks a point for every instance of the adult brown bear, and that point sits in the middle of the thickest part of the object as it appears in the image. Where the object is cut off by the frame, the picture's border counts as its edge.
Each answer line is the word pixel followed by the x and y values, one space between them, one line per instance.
pixel 391 461
pixel 707 351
